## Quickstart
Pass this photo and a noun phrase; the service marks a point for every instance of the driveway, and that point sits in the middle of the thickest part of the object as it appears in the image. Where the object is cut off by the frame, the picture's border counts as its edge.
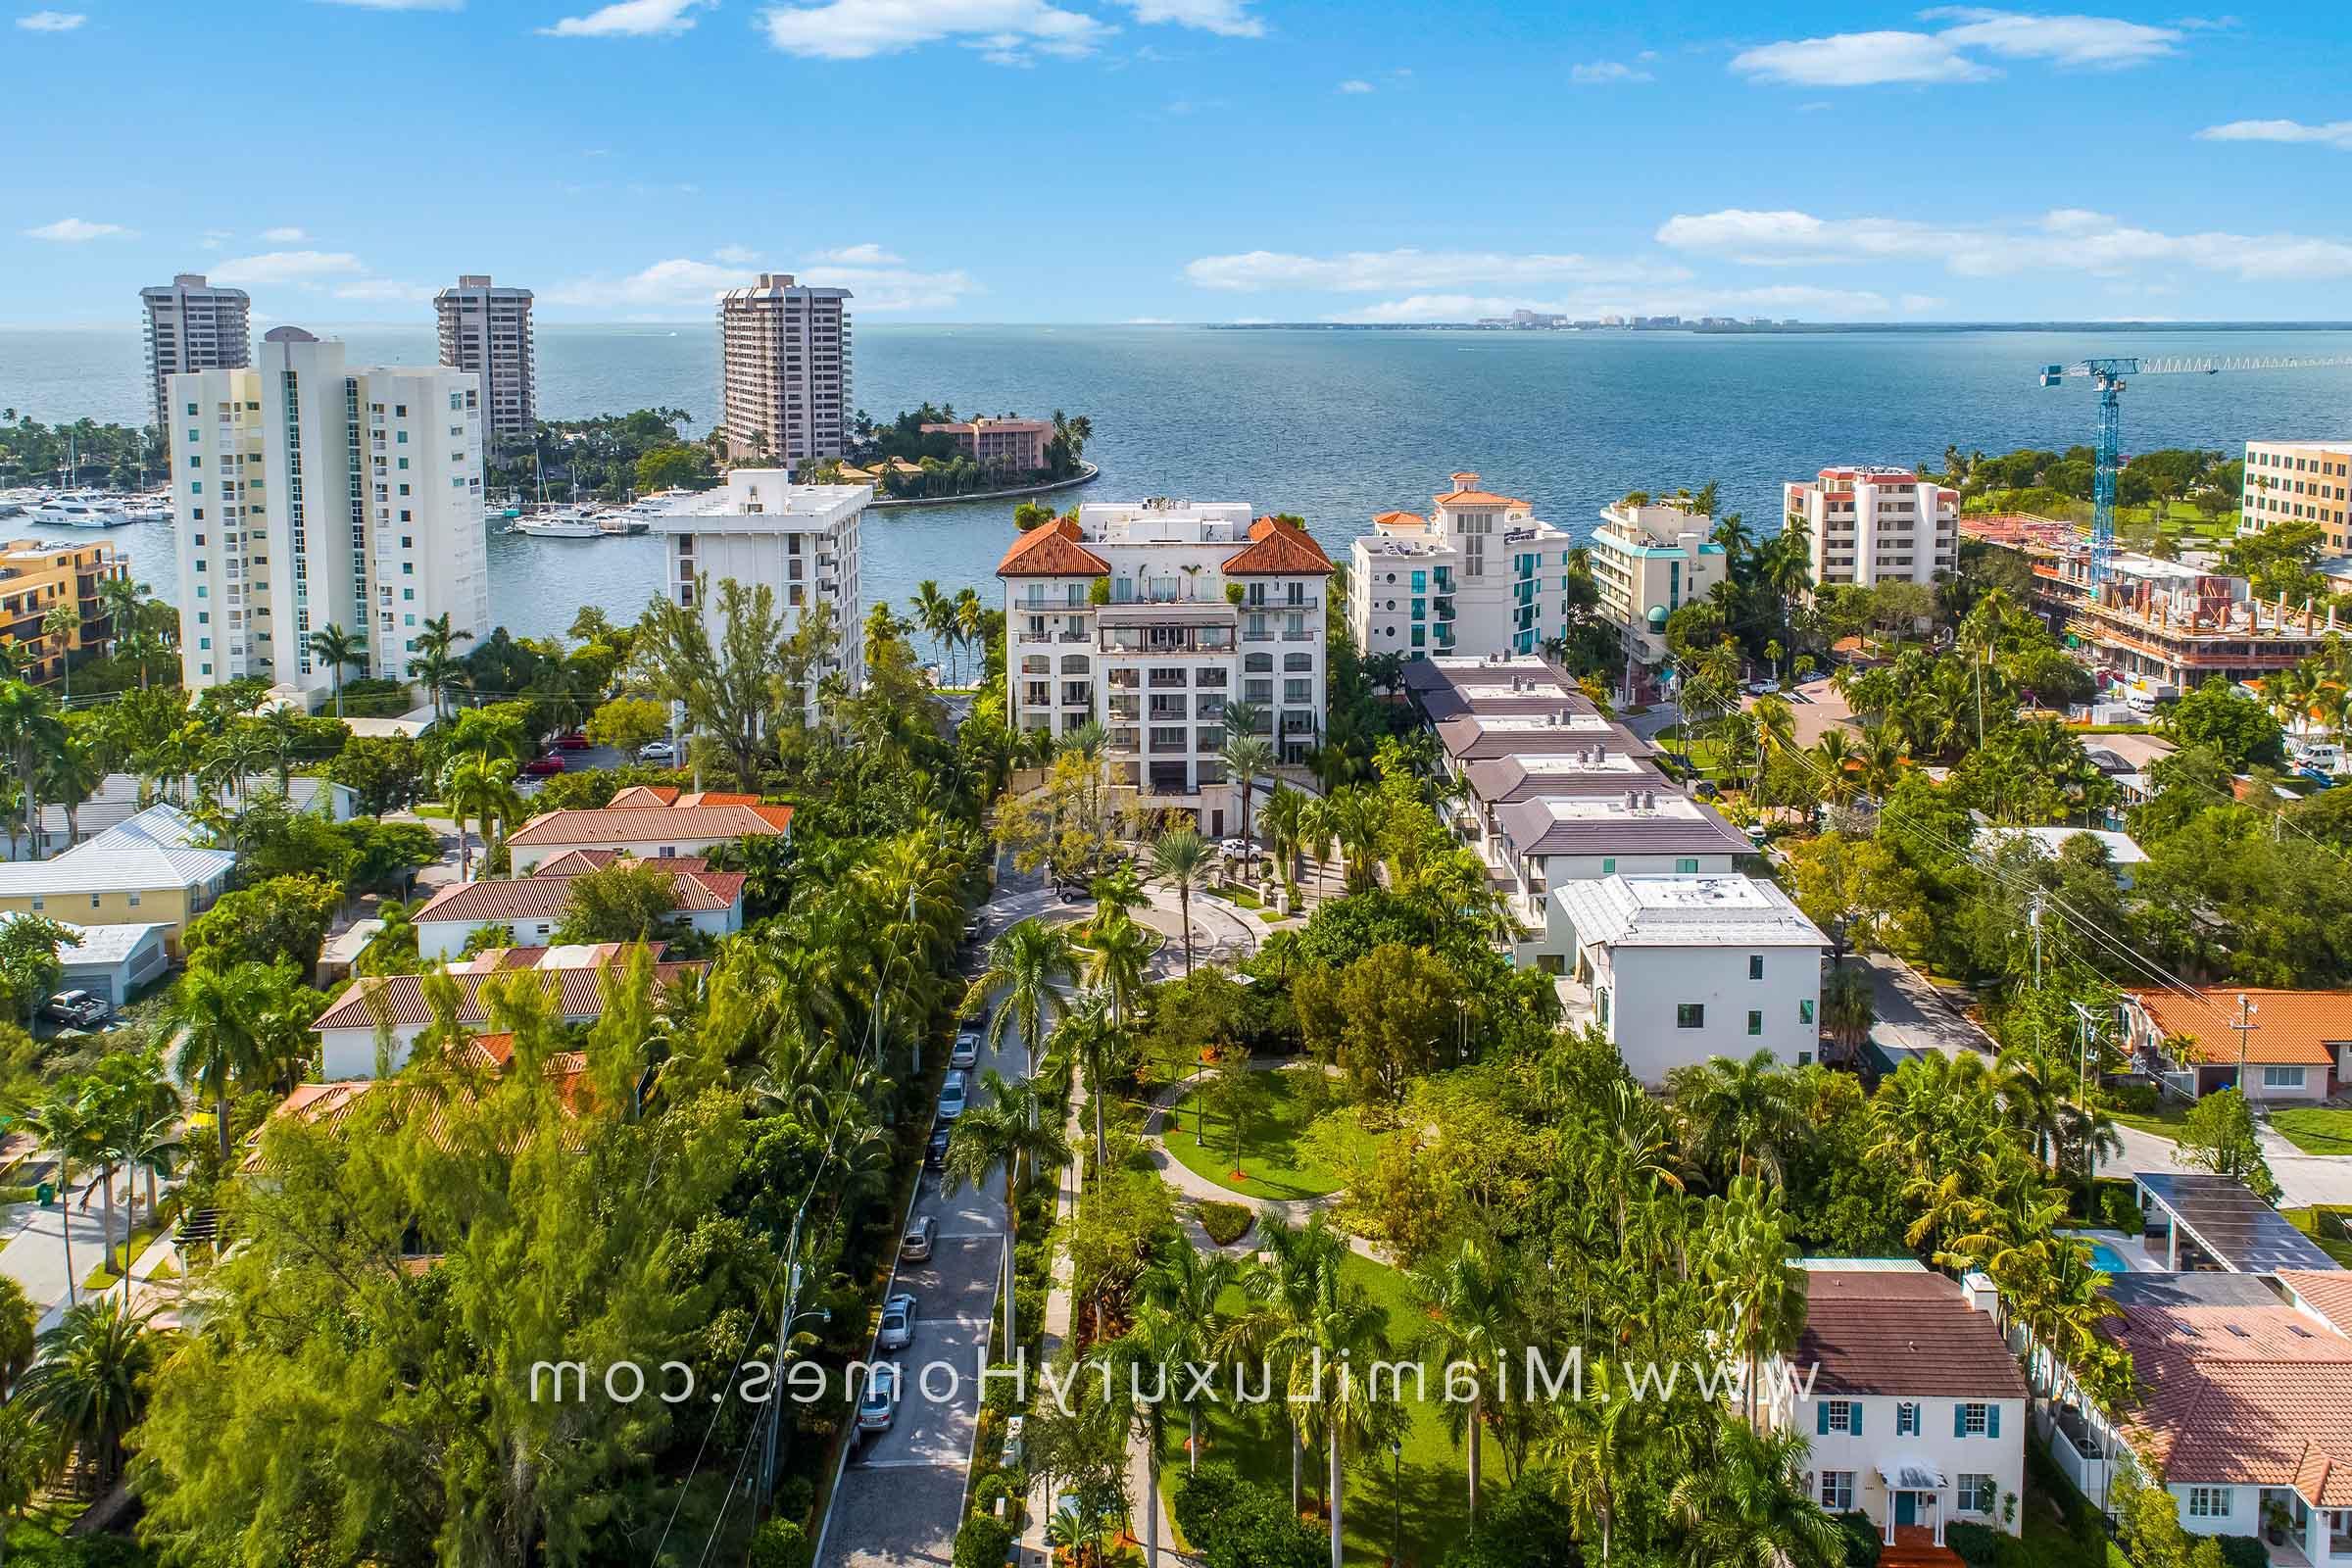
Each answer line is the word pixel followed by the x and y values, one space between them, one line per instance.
pixel 2303 1179
pixel 1911 1013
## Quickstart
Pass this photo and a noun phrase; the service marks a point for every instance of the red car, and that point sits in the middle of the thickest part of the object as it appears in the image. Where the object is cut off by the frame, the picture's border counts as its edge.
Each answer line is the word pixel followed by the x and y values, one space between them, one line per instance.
pixel 542 766
pixel 574 742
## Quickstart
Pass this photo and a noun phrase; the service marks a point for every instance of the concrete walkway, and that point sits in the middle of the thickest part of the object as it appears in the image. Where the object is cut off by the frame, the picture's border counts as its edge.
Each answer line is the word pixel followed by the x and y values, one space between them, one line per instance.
pixel 1189 1183
pixel 2304 1180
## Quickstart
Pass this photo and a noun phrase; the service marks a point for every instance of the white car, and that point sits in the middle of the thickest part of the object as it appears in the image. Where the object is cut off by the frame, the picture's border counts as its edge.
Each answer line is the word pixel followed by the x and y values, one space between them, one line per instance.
pixel 898 1322
pixel 915 1246
pixel 658 752
pixel 880 1406
pixel 951 1096
pixel 967 1049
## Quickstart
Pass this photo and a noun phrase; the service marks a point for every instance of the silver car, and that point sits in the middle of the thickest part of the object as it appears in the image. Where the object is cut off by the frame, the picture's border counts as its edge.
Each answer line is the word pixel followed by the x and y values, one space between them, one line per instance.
pixel 880 1406
pixel 967 1049
pixel 915 1246
pixel 951 1096
pixel 898 1322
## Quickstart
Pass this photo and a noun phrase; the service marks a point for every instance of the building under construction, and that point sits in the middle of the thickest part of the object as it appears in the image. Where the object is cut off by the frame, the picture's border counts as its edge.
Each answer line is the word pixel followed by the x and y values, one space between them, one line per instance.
pixel 2157 627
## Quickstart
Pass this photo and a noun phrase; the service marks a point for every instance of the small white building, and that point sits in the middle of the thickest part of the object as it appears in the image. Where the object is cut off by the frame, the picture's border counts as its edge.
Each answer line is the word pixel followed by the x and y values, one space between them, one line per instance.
pixel 529 910
pixel 1684 968
pixel 1549 842
pixel 1481 575
pixel 1915 1412
pixel 1871 525
pixel 1650 559
pixel 798 541
pixel 110 961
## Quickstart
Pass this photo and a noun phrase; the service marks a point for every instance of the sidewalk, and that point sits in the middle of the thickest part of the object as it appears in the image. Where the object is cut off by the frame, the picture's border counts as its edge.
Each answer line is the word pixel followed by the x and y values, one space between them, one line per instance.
pixel 35 1255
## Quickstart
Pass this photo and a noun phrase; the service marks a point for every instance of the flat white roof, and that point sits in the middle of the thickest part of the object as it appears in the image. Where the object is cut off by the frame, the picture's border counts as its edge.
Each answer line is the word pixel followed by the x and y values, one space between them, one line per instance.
pixel 1570 763
pixel 1685 911
pixel 1540 723
pixel 1657 805
pixel 761 497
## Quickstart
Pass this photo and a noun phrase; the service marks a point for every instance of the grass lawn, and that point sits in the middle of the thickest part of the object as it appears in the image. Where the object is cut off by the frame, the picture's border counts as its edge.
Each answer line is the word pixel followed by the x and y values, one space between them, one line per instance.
pixel 1255 1441
pixel 1274 1164
pixel 2316 1129
pixel 2166 1121
pixel 2307 1220
pixel 431 809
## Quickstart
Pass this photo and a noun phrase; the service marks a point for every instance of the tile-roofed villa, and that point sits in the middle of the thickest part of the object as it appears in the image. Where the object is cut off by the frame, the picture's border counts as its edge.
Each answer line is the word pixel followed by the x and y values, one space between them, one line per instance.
pixel 688 826
pixel 2298 1046
pixel 531 908
pixel 1916 1413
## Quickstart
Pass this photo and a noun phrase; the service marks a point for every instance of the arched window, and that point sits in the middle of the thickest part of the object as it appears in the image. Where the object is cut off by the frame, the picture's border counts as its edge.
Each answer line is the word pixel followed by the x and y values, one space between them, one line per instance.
pixel 1298 664
pixel 1258 663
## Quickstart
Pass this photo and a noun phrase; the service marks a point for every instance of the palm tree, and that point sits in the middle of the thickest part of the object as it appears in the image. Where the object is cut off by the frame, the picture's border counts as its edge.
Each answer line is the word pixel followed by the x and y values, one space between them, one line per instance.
pixel 483 792
pixel 1355 818
pixel 336 648
pixel 62 622
pixel 1835 760
pixel 71 773
pixel 1284 1290
pixel 440 674
pixel 1351 1330
pixel 28 726
pixel 1089 1035
pixel 1848 1009
pixel 1287 812
pixel 1473 1302
pixel 91 1383
pixel 213 1022
pixel 1742 1503
pixel 1118 951
pixel 1245 757
pixel 1759 1299
pixel 1002 1136
pixel 1158 1339
pixel 1181 859
pixel 60 1123
pixel 1189 1286
pixel 1738 1117
pixel 935 613
pixel 1029 962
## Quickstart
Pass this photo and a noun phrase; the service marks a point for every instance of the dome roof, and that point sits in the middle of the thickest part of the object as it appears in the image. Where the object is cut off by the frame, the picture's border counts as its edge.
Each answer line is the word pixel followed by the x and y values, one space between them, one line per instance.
pixel 1657 618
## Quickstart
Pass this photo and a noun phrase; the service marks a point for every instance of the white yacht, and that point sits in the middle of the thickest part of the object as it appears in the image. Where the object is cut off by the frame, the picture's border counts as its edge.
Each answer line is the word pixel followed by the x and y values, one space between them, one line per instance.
pixel 80 510
pixel 571 522
pixel 147 509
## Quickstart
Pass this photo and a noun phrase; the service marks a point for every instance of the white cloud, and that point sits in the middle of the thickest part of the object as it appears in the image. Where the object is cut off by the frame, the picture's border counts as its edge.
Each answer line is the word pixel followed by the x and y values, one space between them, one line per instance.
pixel 79 230
pixel 1005 31
pixel 51 21
pixel 2065 240
pixel 868 255
pixel 287 266
pixel 2336 134
pixel 1355 84
pixel 1954 53
pixel 1603 73
pixel 630 19
pixel 1228 18
pixel 683 281
pixel 213 238
pixel 284 236
pixel 1921 302
pixel 383 291
pixel 401 5
pixel 1589 304
pixel 1369 272
pixel 735 255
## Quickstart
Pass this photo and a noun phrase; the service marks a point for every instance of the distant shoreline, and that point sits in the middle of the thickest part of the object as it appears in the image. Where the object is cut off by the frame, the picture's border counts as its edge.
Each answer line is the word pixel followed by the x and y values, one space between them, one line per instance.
pixel 1773 329
pixel 1087 474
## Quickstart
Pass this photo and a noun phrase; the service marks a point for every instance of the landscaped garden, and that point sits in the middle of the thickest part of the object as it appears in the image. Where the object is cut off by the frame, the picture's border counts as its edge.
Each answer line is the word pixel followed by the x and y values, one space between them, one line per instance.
pixel 1276 1157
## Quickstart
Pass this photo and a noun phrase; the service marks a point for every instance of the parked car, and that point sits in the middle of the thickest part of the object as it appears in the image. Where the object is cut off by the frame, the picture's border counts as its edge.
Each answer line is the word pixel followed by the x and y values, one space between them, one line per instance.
pixel 951 1096
pixel 975 926
pixel 571 742
pixel 656 752
pixel 1705 789
pixel 915 1246
pixel 880 1405
pixel 967 1049
pixel 542 766
pixel 898 1322
pixel 76 1009
pixel 935 1153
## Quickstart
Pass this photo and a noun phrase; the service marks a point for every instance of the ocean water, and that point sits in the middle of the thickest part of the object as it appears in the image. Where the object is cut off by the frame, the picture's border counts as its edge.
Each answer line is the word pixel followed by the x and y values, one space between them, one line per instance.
pixel 1333 426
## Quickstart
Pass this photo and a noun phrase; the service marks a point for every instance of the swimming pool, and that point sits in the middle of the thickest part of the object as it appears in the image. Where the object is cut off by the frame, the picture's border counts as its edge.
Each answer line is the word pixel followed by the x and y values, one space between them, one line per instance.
pixel 2107 1261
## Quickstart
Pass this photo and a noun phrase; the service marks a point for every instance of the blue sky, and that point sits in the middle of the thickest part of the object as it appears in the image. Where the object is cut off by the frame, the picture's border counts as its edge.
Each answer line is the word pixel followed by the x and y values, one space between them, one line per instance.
pixel 1182 160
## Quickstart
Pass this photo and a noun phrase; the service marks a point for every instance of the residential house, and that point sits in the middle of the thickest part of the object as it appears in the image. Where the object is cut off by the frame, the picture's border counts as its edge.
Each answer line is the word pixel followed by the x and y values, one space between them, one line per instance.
pixel 150 868
pixel 1545 844
pixel 1915 1412
pixel 110 962
pixel 530 909
pixel 1679 970
pixel 2295 1046
pixel 649 823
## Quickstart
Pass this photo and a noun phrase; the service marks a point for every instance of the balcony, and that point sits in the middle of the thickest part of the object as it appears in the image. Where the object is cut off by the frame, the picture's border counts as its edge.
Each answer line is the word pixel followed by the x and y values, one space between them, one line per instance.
pixel 1126 708
pixel 1167 709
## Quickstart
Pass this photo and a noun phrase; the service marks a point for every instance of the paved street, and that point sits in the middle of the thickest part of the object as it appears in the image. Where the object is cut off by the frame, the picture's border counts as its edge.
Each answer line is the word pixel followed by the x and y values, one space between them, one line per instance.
pixel 1909 1013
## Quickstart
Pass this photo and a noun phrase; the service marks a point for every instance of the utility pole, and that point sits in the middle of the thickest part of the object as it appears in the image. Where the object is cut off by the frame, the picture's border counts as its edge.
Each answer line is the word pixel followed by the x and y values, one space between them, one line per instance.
pixel 2245 1025
pixel 2090 1024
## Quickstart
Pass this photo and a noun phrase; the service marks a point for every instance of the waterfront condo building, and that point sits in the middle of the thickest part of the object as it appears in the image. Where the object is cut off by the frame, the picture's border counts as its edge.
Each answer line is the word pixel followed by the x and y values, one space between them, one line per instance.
pixel 1150 618
pixel 36 577
pixel 2299 481
pixel 1873 526
pixel 784 370
pixel 312 493
pixel 1011 443
pixel 487 332
pixel 798 541
pixel 1478 576
pixel 1650 558
pixel 191 325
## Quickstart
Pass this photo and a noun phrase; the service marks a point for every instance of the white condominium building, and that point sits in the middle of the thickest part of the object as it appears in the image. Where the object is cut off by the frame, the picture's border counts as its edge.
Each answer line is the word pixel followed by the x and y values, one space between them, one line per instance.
pixel 487 330
pixel 1480 575
pixel 1873 526
pixel 1650 559
pixel 1150 618
pixel 799 541
pixel 313 494
pixel 191 325
pixel 784 370
pixel 2299 481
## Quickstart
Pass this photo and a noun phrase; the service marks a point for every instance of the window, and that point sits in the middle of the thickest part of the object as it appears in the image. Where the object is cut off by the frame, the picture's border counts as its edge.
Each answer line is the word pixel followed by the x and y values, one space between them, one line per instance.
pixel 94 897
pixel 1979 1494
pixel 134 898
pixel 1804 1011
pixel 2209 1502
pixel 1690 1015
pixel 1838 1491
pixel 1976 1421
pixel 1756 1021
pixel 1755 967
pixel 1688 865
pixel 1609 866
pixel 38 902
pixel 1838 1415
pixel 2275 1076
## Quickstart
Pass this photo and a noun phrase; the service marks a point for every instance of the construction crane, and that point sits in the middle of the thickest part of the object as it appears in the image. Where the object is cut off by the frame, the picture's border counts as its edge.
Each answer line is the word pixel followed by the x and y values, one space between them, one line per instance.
pixel 2109 375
